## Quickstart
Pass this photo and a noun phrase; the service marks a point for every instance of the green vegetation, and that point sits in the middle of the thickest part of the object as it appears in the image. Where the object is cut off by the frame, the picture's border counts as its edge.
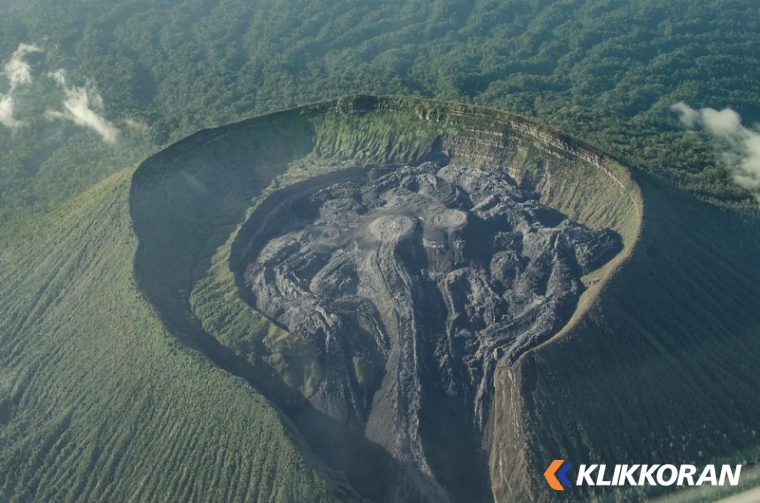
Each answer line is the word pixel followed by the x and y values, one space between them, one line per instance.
pixel 604 71
pixel 191 203
pixel 643 333
pixel 662 367
pixel 99 403
pixel 127 357
pixel 353 131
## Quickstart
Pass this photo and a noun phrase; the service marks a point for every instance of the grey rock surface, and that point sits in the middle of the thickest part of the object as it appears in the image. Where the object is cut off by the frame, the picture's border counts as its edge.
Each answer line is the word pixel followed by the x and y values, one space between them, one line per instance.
pixel 413 285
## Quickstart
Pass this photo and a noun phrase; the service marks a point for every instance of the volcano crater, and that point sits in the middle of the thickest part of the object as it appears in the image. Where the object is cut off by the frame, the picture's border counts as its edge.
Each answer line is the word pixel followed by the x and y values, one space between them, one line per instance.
pixel 413 283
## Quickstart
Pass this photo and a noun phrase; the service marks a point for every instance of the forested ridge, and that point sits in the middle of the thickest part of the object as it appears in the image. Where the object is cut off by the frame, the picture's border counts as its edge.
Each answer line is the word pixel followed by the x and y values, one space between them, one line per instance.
pixel 605 71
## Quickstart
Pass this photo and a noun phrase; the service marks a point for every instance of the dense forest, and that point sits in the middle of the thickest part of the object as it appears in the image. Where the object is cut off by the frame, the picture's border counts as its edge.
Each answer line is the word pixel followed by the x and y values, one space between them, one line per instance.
pixel 132 370
pixel 606 71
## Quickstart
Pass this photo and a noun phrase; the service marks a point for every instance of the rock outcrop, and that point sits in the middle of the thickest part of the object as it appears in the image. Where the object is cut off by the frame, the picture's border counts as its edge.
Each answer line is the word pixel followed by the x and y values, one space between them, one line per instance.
pixel 414 284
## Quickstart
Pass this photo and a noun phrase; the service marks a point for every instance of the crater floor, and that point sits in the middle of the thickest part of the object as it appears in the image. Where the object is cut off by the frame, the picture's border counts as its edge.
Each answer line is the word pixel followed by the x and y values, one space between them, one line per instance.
pixel 413 285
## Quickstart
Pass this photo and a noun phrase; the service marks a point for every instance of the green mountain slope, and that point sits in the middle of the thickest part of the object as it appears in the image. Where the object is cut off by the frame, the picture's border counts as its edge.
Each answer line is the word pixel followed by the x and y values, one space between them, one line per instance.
pixel 663 367
pixel 129 366
pixel 97 403
pixel 189 201
pixel 132 369
pixel 660 355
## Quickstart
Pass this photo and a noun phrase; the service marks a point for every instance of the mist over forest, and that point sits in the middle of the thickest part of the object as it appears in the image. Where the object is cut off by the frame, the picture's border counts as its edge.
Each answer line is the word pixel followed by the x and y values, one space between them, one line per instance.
pixel 111 82
pixel 377 250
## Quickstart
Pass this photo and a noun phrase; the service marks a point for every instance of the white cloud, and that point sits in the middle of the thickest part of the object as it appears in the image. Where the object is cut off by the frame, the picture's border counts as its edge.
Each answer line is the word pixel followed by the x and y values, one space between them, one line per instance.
pixel 78 108
pixel 689 116
pixel 59 76
pixel 79 104
pixel 725 123
pixel 18 72
pixel 6 112
pixel 741 151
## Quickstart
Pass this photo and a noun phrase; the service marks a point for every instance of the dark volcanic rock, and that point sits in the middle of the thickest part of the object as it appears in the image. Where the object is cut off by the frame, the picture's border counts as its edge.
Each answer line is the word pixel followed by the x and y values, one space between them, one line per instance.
pixel 414 284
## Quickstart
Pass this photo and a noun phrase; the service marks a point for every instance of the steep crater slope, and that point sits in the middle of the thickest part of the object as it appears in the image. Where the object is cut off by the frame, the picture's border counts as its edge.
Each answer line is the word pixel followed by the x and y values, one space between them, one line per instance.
pixel 209 208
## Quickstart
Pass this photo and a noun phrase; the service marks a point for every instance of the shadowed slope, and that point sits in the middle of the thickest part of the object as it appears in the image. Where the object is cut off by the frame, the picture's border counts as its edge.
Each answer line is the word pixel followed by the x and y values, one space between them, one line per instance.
pixel 104 397
pixel 662 369
pixel 188 204
pixel 99 403
pixel 411 285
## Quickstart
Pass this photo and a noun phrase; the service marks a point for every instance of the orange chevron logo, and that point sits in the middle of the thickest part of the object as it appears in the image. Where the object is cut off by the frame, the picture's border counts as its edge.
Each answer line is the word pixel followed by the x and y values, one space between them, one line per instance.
pixel 558 481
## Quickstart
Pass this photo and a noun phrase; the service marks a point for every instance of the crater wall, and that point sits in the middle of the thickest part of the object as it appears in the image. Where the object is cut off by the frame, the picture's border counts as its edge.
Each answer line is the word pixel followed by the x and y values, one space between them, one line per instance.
pixel 194 209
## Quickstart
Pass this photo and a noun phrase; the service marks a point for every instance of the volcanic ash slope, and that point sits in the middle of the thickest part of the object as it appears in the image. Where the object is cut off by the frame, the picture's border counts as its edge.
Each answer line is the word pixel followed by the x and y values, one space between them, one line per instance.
pixel 414 285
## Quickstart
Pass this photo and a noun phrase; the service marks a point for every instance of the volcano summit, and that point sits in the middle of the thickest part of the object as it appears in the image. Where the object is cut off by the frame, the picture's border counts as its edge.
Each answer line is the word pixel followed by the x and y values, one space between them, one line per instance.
pixel 413 284
pixel 388 273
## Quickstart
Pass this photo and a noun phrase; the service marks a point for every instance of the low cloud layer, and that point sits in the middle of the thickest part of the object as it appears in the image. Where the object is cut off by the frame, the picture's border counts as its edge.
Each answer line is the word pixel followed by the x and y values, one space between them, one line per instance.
pixel 6 112
pixel 741 151
pixel 18 72
pixel 79 107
